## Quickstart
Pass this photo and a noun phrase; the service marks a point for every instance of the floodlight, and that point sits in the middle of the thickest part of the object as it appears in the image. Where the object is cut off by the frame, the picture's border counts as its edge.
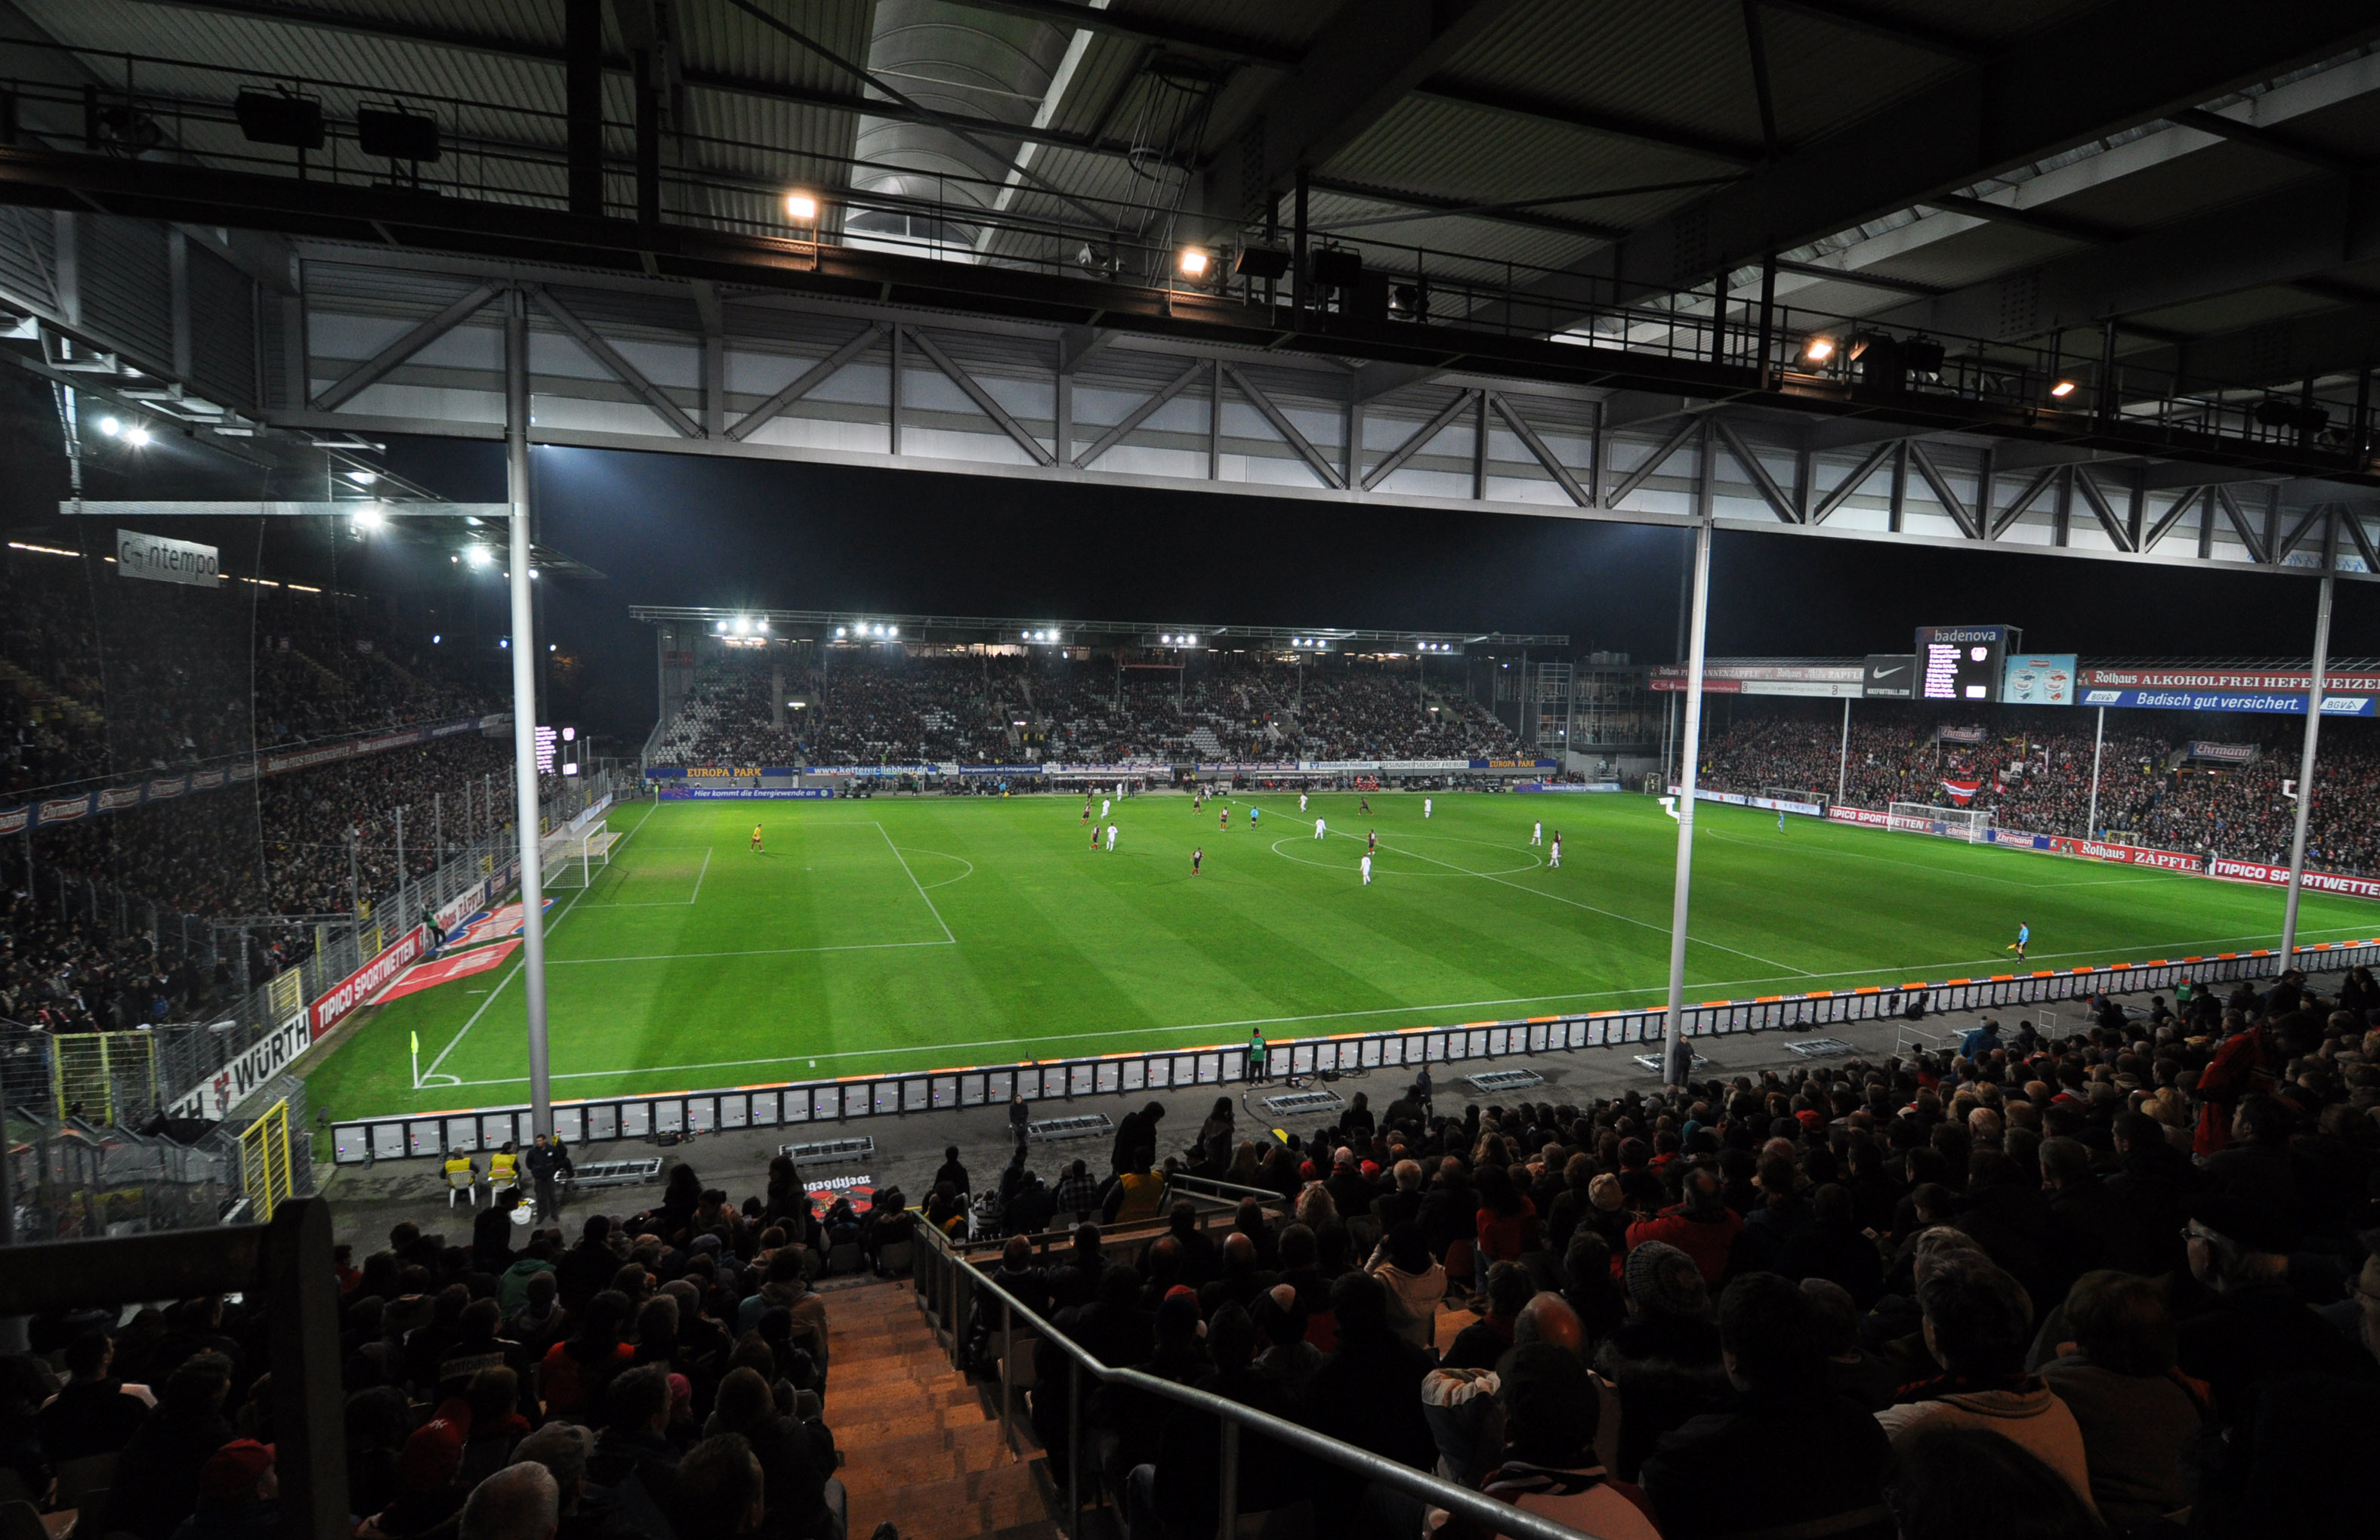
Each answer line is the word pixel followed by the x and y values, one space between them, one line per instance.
pixel 476 554
pixel 435 638
pixel 533 574
pixel 363 478
pixel 549 646
pixel 1818 350
pixel 838 630
pixel 369 518
pixel 892 631
pixel 761 625
pixel 1260 261
pixel 743 626
pixel 1193 262
pixel 1190 641
pixel 801 208
pixel 389 133
pixel 110 427
pixel 504 642
pixel 2063 389
pixel 136 436
pixel 722 628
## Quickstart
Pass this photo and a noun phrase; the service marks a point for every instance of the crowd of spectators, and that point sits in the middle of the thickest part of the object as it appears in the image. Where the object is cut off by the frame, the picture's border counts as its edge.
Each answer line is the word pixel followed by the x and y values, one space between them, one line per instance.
pixel 80 954
pixel 2125 1281
pixel 659 1376
pixel 2033 772
pixel 107 680
pixel 886 704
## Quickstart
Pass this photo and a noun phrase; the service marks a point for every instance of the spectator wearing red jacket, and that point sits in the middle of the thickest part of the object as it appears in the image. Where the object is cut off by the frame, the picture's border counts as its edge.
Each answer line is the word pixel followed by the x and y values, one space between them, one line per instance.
pixel 1700 1224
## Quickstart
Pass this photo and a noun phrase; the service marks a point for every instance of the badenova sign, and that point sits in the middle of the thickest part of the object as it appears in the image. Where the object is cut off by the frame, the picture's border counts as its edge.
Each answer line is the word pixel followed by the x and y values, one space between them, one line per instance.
pixel 165 561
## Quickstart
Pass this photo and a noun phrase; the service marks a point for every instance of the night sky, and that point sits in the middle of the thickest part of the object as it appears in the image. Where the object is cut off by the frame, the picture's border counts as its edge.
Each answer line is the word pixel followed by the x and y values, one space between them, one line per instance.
pixel 685 529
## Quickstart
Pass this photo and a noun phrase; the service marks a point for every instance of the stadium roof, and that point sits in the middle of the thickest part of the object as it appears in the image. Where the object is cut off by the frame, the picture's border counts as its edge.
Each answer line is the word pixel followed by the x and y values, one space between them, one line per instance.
pixel 1043 630
pixel 2089 268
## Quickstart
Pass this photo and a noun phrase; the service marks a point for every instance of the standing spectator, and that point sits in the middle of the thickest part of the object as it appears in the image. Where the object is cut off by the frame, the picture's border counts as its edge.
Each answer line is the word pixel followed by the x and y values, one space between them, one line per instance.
pixel 549 1166
pixel 93 1413
pixel 174 1443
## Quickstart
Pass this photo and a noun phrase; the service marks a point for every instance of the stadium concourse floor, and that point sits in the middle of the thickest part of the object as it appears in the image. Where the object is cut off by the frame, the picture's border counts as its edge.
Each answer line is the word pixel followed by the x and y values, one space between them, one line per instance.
pixel 365 1201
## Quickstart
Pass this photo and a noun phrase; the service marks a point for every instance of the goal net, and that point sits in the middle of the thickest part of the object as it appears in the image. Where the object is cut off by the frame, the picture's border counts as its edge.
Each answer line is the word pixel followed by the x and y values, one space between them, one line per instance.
pixel 1970 824
pixel 1795 794
pixel 574 858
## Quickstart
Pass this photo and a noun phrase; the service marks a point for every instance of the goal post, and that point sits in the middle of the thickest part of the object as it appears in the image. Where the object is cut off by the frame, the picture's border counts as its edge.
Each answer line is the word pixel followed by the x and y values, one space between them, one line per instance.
pixel 1971 824
pixel 574 858
pixel 1802 794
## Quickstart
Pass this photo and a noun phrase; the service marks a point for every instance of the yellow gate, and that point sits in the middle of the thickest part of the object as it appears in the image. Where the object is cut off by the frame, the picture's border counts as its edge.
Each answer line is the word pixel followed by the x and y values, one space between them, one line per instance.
pixel 264 1161
pixel 94 1065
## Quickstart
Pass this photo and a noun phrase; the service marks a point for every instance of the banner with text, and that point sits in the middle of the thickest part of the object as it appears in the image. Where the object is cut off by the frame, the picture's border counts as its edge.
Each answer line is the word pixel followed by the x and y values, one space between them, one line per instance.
pixel 337 1002
pixel 237 1081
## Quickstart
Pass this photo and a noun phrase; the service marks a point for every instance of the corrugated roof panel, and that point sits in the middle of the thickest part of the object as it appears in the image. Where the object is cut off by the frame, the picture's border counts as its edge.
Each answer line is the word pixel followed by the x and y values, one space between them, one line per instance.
pixel 1288 23
pixel 1822 76
pixel 1684 66
pixel 719 37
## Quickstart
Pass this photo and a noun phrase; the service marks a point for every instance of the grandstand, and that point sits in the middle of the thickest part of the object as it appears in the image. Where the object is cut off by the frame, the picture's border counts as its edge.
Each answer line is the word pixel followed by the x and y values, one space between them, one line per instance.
pixel 977 1078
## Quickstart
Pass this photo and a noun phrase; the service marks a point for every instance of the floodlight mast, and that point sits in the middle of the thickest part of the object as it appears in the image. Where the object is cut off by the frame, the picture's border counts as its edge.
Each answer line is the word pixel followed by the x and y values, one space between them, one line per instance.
pixel 532 877
pixel 1677 1056
pixel 2305 775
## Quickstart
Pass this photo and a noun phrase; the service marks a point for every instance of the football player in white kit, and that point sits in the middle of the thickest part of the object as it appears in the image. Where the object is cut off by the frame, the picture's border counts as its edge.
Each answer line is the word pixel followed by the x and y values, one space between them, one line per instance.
pixel 1317 829
pixel 1553 857
pixel 1425 807
pixel 1368 871
pixel 1538 833
pixel 1111 841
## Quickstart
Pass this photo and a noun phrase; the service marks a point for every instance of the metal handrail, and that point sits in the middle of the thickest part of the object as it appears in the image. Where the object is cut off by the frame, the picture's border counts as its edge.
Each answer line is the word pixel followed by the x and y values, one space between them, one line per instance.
pixel 1236 1420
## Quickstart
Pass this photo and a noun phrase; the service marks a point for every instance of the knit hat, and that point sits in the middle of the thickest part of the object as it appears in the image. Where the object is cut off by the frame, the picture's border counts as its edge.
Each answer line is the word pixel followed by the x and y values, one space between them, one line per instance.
pixel 233 1470
pixel 1177 1315
pixel 1663 1280
pixel 1408 1247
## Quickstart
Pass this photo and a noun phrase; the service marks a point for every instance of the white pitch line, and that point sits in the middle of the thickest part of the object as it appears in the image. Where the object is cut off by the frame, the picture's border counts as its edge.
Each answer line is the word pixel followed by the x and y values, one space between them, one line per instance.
pixel 518 964
pixel 707 852
pixel 1592 909
pixel 914 883
pixel 760 952
pixel 1344 1015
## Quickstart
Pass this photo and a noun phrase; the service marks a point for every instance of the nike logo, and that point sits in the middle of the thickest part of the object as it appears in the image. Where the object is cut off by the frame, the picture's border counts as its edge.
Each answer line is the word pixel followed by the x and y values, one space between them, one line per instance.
pixel 1887 674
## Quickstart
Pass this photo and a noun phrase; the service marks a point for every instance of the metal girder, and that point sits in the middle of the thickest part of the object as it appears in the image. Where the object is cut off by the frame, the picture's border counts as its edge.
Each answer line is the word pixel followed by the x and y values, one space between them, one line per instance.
pixel 1619 125
pixel 2241 526
pixel 609 357
pixel 2109 520
pixel 1367 56
pixel 2046 93
pixel 2171 516
pixel 809 381
pixel 1770 491
pixel 2287 349
pixel 2287 146
pixel 376 367
pixel 2298 532
pixel 1142 413
pixel 1537 447
pixel 1465 208
pixel 499 45
pixel 2352 520
pixel 491 512
pixel 1940 485
pixel 1997 523
pixel 982 397
pixel 1856 18
pixel 1652 462
pixel 2297 232
pixel 1853 483
pixel 2047 222
pixel 1418 439
pixel 1286 429
pixel 1071 15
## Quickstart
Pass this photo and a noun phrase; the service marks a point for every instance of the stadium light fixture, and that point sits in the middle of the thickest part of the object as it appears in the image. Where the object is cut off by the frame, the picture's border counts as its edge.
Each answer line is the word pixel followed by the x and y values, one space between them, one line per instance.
pixel 369 518
pixel 838 630
pixel 504 642
pixel 801 208
pixel 435 638
pixel 892 631
pixel 137 436
pixel 1818 350
pixel 761 625
pixel 110 427
pixel 1193 262
pixel 363 478
pixel 2063 389
pixel 477 555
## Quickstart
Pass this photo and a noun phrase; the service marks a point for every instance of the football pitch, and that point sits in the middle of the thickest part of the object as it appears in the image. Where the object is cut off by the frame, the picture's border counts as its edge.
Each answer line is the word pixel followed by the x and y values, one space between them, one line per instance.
pixel 899 933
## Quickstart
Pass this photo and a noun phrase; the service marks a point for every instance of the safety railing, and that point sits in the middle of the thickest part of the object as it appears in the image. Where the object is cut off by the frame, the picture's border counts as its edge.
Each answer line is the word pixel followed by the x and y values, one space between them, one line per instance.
pixel 965 1290
pixel 283 1270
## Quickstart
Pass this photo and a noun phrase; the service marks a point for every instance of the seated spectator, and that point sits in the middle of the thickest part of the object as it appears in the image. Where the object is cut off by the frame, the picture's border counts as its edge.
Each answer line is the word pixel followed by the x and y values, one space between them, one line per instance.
pixel 1415 1282
pixel 173 1444
pixel 1700 1224
pixel 2135 1412
pixel 1970 1483
pixel 1664 1360
pixel 1789 1453
pixel 519 1502
pixel 1831 1247
pixel 720 1490
pixel 93 1413
pixel 804 1498
pixel 1978 1323
pixel 632 1456
pixel 238 1496
pixel 1549 1468
pixel 576 1374
pixel 1367 1390
pixel 1480 1344
pixel 1853 1372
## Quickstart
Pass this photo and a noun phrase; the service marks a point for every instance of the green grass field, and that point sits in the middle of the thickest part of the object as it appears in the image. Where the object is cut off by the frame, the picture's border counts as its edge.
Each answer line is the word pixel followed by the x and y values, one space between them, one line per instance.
pixel 896 934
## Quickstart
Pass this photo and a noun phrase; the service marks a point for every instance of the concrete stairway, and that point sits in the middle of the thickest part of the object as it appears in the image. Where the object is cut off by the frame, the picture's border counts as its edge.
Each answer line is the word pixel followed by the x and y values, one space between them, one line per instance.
pixel 921 1443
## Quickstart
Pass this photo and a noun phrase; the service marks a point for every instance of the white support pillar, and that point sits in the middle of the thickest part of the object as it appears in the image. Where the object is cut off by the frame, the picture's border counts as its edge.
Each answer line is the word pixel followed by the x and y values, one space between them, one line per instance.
pixel 2305 773
pixel 2098 742
pixel 1843 760
pixel 1676 1055
pixel 523 651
